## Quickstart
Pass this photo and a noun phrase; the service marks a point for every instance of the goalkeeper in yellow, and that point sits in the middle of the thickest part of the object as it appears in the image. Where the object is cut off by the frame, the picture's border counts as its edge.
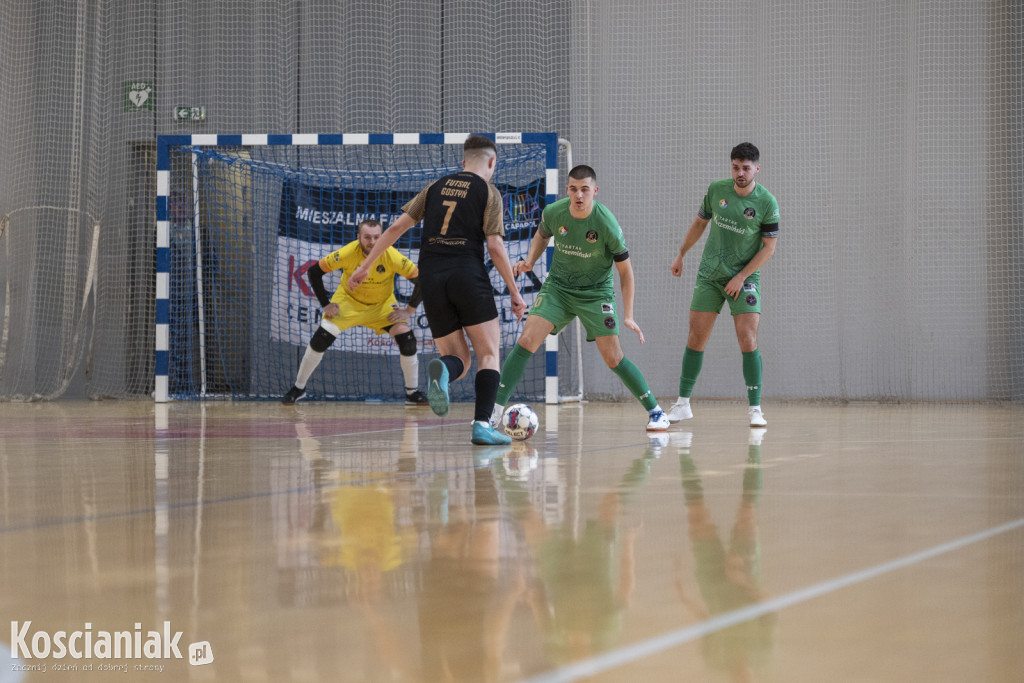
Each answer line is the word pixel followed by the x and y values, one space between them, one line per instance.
pixel 373 306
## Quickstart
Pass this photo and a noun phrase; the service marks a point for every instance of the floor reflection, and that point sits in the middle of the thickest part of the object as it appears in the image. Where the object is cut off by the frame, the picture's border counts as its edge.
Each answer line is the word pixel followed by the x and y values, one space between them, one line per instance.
pixel 727 574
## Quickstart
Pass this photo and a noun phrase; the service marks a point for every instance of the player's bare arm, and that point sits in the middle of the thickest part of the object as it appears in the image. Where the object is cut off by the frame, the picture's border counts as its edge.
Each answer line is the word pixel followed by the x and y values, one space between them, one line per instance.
pixel 627 283
pixel 496 248
pixel 399 314
pixel 387 239
pixel 692 237
pixel 735 285
pixel 537 246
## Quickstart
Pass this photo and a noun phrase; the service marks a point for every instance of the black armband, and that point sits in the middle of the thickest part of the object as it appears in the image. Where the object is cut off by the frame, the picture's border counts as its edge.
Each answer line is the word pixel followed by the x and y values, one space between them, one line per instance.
pixel 417 296
pixel 769 230
pixel 315 275
pixel 619 258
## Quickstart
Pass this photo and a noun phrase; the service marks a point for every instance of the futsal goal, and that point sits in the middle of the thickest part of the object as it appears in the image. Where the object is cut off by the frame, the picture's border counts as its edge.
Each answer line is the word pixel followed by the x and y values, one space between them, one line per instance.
pixel 240 218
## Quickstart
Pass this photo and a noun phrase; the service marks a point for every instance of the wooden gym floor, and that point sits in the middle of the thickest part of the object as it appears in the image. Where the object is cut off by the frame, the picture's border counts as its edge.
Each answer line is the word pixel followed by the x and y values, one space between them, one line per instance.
pixel 372 542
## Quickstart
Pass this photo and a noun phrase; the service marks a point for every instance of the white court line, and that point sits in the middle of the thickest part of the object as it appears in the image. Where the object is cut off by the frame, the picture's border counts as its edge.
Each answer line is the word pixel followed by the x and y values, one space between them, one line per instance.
pixel 651 646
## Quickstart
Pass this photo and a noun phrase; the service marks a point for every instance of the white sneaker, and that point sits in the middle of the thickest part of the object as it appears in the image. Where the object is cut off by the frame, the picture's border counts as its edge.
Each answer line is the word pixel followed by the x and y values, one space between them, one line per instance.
pixel 680 410
pixel 757 417
pixel 658 421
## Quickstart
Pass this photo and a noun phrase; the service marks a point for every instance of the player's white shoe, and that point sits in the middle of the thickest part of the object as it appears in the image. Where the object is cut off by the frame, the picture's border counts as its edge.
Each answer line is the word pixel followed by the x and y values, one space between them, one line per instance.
pixel 496 415
pixel 757 417
pixel 658 421
pixel 680 410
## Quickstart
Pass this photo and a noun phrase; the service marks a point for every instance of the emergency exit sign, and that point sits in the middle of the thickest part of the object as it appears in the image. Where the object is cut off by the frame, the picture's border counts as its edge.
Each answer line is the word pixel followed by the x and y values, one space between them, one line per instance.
pixel 189 113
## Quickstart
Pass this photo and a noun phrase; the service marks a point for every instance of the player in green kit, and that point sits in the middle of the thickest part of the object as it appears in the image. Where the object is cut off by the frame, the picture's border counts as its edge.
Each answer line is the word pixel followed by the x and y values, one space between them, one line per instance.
pixel 588 242
pixel 744 220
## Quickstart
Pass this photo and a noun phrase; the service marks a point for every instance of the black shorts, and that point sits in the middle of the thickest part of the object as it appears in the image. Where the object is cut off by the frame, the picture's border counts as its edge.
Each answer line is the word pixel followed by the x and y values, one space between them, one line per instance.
pixel 456 297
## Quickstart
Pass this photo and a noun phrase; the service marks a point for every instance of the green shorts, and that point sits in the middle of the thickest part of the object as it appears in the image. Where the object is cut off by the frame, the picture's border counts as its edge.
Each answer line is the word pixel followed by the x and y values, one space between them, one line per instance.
pixel 596 309
pixel 709 295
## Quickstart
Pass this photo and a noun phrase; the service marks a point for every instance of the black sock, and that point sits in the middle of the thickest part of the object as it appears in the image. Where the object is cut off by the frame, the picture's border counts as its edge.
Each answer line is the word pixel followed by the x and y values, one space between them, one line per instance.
pixel 486 392
pixel 454 365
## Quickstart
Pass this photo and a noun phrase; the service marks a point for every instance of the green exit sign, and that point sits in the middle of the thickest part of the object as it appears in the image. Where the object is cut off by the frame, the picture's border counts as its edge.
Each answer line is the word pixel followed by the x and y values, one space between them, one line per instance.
pixel 189 113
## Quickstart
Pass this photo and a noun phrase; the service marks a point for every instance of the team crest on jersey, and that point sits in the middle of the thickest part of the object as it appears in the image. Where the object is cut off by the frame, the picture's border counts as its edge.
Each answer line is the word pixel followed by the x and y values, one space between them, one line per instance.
pixel 591 236
pixel 607 308
pixel 380 268
pixel 563 231
pixel 722 203
pixel 609 322
pixel 749 212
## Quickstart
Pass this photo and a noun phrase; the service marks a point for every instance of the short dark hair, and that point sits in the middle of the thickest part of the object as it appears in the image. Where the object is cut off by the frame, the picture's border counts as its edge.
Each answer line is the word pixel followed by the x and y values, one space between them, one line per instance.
pixel 478 142
pixel 745 150
pixel 370 223
pixel 583 171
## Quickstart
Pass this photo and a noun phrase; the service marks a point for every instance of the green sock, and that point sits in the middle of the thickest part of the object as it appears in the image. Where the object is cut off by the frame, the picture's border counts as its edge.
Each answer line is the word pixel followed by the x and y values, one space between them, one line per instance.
pixel 692 360
pixel 511 372
pixel 752 375
pixel 635 382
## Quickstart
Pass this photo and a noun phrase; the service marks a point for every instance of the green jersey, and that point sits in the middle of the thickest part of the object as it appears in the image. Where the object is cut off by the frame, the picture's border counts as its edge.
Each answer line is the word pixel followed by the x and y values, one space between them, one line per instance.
pixel 584 248
pixel 737 226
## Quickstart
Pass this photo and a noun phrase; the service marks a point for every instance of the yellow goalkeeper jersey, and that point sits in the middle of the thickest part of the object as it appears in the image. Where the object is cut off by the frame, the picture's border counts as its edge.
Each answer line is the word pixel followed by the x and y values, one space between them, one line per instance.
pixel 379 285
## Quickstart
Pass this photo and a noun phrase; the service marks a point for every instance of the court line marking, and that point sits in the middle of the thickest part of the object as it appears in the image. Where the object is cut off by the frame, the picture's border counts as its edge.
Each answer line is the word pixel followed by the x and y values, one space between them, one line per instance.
pixel 645 648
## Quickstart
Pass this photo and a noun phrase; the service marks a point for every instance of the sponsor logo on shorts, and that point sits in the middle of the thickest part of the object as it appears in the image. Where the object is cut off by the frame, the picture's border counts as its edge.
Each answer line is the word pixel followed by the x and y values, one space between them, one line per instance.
pixel 749 287
pixel 380 268
pixel 609 322
pixel 749 212
pixel 607 308
pixel 751 300
pixel 563 231
pixel 591 236
pixel 722 203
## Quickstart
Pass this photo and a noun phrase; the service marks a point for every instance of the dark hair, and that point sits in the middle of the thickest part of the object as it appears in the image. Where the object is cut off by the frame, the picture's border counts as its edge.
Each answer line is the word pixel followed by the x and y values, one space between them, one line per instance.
pixel 745 151
pixel 370 223
pixel 583 171
pixel 479 142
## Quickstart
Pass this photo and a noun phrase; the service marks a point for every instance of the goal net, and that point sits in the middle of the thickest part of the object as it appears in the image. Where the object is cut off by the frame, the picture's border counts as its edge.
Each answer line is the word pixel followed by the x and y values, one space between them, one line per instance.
pixel 240 219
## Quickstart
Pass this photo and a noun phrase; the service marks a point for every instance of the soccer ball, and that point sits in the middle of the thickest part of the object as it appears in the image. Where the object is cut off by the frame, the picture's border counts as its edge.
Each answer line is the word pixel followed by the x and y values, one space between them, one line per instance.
pixel 519 421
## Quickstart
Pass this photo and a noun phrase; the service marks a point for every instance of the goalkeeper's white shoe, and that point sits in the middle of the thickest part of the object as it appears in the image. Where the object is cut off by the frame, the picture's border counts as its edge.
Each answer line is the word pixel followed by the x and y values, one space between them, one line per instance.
pixel 757 417
pixel 680 410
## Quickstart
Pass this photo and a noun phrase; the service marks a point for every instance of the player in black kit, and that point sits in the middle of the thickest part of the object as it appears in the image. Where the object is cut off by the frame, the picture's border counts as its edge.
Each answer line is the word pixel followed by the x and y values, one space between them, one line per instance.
pixel 462 215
